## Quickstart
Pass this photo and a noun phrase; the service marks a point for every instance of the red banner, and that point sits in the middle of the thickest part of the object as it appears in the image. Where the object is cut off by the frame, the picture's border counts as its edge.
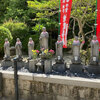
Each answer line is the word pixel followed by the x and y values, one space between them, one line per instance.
pixel 98 21
pixel 64 20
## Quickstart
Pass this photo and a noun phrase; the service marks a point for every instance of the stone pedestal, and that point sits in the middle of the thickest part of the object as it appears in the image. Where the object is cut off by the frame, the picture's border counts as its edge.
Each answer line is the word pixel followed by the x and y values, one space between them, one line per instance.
pixel 48 66
pixel 32 65
pixel 59 67
pixel 76 68
pixel 93 69
pixel 20 64
pixel 6 63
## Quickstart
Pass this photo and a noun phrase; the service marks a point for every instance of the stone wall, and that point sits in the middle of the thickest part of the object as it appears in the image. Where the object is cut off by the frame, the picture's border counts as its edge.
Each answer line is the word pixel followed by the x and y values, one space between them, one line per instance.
pixel 43 87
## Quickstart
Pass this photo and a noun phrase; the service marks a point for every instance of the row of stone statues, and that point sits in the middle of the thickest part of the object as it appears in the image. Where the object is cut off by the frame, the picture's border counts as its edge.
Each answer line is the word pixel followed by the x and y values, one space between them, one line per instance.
pixel 59 47
pixel 44 36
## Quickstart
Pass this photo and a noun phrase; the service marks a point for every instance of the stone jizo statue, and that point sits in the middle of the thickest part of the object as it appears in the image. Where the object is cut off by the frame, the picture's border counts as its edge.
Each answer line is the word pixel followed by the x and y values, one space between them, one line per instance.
pixel 18 48
pixel 94 50
pixel 7 49
pixel 30 48
pixel 76 50
pixel 59 48
pixel 44 39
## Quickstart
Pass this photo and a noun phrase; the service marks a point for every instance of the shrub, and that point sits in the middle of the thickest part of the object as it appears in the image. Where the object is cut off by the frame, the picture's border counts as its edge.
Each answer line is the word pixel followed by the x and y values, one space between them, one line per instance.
pixel 18 30
pixel 4 33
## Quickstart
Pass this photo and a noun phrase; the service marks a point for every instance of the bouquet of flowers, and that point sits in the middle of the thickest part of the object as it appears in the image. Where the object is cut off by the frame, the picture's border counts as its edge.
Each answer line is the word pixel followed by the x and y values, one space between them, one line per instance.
pixel 47 54
pixel 35 53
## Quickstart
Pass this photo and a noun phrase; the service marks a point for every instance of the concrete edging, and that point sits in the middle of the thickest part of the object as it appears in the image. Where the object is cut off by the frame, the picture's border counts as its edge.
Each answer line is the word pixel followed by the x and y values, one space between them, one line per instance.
pixel 72 81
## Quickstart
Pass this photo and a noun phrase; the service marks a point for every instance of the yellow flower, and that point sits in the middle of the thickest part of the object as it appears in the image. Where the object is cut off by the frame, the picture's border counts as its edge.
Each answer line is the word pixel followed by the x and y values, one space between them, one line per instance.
pixel 34 51
pixel 46 51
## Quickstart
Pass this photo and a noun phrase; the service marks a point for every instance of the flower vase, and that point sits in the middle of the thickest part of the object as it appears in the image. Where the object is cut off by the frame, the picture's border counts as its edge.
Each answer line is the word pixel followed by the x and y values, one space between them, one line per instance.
pixel 48 66
pixel 32 65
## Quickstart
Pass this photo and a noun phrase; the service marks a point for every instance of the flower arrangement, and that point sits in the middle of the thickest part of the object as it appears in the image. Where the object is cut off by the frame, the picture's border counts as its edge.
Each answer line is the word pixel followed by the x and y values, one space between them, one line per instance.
pixel 47 54
pixel 35 53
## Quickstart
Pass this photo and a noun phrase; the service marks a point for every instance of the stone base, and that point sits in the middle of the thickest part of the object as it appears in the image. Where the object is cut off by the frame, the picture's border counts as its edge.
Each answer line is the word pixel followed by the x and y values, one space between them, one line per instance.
pixel 20 64
pixel 93 69
pixel 59 67
pixel 5 63
pixel 76 68
pixel 32 65
pixel 48 66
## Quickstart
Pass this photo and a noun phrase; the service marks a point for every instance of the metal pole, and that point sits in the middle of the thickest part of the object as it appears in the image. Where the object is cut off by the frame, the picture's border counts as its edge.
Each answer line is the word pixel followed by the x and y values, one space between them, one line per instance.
pixel 59 17
pixel 16 79
pixel 0 81
pixel 96 18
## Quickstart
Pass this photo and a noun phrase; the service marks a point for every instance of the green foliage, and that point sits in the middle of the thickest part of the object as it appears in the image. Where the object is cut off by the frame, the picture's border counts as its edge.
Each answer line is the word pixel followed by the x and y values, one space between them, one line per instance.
pixel 85 56
pixel 17 29
pixel 37 28
pixel 4 33
pixel 39 13
pixel 17 10
pixel 3 9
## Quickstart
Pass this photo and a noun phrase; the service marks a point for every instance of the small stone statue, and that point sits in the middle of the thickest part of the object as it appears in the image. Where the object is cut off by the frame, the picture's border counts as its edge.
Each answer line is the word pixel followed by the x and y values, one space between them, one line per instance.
pixel 59 48
pixel 76 51
pixel 44 39
pixel 94 51
pixel 7 49
pixel 30 48
pixel 18 48
pixel 59 65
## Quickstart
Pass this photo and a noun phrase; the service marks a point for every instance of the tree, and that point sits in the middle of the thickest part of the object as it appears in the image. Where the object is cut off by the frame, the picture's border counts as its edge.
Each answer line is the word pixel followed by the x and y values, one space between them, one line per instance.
pixel 3 9
pixel 82 15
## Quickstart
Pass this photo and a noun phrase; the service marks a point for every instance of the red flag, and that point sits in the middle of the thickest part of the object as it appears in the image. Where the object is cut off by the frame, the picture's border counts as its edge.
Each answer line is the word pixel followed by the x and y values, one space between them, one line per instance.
pixel 64 20
pixel 98 21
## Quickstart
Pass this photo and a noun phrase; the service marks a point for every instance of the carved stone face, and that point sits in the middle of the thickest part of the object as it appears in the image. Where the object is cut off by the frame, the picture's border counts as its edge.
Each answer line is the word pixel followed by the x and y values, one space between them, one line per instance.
pixel 30 39
pixel 6 40
pixel 94 37
pixel 44 29
pixel 18 39
pixel 59 38
pixel 76 38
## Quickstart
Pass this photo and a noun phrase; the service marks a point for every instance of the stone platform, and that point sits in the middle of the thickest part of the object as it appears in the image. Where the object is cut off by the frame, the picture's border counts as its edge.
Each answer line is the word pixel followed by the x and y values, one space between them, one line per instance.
pixel 50 87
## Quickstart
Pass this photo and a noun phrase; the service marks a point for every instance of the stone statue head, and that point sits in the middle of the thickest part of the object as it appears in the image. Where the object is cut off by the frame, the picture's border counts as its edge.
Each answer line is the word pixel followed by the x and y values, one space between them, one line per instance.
pixel 59 38
pixel 76 38
pixel 44 29
pixel 6 40
pixel 30 39
pixel 18 39
pixel 94 37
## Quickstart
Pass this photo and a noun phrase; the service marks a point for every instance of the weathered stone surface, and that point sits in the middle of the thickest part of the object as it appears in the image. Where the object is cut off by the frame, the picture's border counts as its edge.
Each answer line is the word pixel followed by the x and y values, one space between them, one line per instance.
pixel 20 64
pixel 6 63
pixel 48 66
pixel 59 67
pixel 49 88
pixel 32 65
pixel 76 68
pixel 93 69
